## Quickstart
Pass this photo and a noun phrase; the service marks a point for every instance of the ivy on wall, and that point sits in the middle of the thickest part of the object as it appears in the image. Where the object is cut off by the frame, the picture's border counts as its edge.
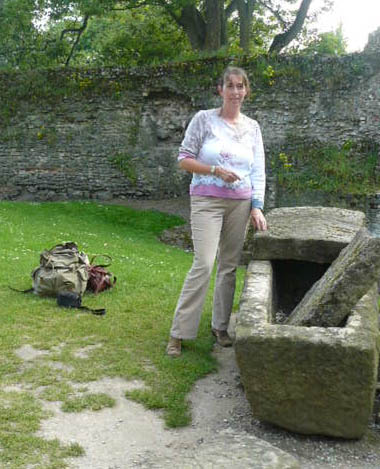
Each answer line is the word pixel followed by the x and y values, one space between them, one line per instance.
pixel 192 78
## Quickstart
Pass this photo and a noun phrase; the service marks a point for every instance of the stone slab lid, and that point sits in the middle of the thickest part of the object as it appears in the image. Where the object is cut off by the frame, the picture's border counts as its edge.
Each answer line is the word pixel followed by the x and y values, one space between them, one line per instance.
pixel 315 234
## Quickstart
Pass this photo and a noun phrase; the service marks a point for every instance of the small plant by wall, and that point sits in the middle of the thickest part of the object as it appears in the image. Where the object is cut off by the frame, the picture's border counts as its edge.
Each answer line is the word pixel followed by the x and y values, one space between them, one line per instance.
pixel 126 164
pixel 348 169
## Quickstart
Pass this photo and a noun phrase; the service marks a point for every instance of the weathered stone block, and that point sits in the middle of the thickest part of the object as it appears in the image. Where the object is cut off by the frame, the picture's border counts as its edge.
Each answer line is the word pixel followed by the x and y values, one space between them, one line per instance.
pixel 316 234
pixel 331 299
pixel 310 380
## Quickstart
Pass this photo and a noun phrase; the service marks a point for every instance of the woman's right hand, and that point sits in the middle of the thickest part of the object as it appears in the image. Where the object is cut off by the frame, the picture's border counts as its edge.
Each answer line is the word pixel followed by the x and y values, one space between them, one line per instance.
pixel 227 176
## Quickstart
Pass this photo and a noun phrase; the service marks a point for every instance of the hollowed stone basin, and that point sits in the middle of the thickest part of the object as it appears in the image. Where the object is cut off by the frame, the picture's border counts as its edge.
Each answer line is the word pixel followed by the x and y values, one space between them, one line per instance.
pixel 311 380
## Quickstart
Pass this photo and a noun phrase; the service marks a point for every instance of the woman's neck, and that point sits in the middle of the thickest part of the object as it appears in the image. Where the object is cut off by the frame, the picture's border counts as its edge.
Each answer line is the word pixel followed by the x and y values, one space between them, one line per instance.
pixel 230 115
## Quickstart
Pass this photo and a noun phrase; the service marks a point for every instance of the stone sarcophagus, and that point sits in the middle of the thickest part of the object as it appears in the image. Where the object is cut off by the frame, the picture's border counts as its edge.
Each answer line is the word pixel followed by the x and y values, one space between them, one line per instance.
pixel 315 378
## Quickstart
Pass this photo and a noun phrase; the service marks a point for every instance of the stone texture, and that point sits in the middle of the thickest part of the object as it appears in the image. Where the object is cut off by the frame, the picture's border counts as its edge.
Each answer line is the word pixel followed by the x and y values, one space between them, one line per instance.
pixel 66 148
pixel 373 44
pixel 310 380
pixel 102 150
pixel 316 234
pixel 240 453
pixel 331 298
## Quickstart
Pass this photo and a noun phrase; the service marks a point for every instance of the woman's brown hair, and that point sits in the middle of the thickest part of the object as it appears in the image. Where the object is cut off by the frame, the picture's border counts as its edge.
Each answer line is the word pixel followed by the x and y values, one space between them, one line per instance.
pixel 235 71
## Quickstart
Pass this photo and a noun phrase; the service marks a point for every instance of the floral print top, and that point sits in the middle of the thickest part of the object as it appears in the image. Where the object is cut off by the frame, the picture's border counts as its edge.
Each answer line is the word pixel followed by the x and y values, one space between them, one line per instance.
pixel 238 148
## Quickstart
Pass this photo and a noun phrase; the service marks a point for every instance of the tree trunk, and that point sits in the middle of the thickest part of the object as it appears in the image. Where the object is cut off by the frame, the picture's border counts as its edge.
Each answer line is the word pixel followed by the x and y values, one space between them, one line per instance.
pixel 282 40
pixel 193 25
pixel 245 9
pixel 208 32
pixel 214 21
pixel 223 33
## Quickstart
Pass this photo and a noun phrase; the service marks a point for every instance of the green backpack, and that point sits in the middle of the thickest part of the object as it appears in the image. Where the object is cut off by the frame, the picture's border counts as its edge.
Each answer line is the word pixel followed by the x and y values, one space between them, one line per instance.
pixel 62 269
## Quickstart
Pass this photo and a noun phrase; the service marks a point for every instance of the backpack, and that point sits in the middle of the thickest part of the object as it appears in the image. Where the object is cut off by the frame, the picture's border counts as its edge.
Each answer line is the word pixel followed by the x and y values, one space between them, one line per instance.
pixel 62 269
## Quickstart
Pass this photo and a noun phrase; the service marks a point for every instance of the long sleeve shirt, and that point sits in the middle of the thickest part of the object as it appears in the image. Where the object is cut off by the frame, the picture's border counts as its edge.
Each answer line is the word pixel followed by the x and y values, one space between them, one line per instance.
pixel 239 148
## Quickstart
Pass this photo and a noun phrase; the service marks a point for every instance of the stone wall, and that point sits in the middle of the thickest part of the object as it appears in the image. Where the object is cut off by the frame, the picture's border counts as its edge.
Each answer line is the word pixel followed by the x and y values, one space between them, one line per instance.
pixel 373 44
pixel 114 133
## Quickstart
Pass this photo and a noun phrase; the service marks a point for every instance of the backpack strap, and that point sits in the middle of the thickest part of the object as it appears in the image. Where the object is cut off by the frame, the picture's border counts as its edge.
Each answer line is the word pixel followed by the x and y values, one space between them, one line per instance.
pixel 29 290
pixel 101 265
pixel 74 300
pixel 97 312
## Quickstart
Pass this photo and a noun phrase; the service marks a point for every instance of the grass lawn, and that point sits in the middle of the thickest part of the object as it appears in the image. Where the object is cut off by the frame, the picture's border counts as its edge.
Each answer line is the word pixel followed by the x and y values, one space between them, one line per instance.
pixel 128 342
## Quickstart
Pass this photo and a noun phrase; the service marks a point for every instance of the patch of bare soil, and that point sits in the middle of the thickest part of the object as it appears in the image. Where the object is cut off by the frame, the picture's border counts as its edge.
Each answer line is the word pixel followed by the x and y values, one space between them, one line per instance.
pixel 223 433
pixel 129 436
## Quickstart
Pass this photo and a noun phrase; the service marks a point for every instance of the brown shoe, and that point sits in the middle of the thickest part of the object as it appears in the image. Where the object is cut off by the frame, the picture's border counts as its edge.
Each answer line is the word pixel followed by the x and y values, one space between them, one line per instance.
pixel 173 348
pixel 222 338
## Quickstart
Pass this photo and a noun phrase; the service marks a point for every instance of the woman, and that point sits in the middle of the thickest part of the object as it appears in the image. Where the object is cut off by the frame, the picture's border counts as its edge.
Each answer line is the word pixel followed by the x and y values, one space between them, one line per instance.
pixel 223 150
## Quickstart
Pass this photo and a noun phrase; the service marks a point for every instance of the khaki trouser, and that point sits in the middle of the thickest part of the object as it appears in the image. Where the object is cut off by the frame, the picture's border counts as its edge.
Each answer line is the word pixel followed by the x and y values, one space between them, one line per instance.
pixel 215 223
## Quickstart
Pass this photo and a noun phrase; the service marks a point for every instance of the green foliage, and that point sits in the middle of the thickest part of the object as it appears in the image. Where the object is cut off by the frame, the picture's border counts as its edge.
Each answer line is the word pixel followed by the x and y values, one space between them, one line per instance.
pixel 269 75
pixel 50 33
pixel 132 38
pixel 350 169
pixel 125 163
pixel 75 348
pixel 129 38
pixel 19 38
pixel 47 134
pixel 329 43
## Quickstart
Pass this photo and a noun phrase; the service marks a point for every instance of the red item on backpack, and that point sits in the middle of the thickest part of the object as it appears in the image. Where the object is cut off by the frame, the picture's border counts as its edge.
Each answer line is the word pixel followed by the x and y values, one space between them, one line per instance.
pixel 99 278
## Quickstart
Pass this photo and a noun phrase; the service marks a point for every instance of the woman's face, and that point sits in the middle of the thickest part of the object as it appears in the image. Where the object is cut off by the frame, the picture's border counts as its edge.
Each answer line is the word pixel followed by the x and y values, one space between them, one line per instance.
pixel 233 91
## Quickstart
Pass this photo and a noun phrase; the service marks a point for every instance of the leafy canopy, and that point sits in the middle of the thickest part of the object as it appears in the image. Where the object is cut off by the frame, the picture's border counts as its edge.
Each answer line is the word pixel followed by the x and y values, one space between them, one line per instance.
pixel 41 33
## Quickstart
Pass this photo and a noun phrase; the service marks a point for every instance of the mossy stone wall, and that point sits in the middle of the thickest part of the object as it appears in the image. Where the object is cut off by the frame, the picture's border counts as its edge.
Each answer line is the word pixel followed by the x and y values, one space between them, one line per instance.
pixel 114 133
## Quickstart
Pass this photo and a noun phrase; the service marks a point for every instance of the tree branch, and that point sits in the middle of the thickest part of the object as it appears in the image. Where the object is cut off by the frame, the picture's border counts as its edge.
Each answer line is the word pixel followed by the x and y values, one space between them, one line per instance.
pixel 137 5
pixel 275 13
pixel 282 40
pixel 75 30
pixel 79 32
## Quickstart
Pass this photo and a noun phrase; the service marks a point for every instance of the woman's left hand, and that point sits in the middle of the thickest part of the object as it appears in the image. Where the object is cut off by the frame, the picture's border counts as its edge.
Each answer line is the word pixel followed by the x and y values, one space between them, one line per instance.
pixel 258 220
